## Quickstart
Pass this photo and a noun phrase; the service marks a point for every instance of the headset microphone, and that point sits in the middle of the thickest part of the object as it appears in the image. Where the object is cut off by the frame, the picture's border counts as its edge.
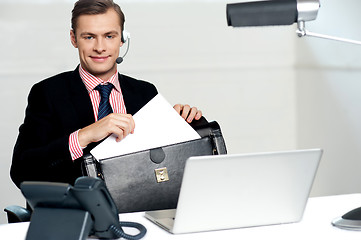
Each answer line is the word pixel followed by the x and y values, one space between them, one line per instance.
pixel 125 39
pixel 119 60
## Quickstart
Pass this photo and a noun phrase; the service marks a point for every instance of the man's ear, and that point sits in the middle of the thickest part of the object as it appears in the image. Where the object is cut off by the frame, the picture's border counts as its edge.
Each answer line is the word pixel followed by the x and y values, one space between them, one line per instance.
pixel 73 38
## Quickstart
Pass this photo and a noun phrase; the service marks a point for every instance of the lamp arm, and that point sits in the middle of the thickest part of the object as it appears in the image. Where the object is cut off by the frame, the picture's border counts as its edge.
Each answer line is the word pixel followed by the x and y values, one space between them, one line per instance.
pixel 301 32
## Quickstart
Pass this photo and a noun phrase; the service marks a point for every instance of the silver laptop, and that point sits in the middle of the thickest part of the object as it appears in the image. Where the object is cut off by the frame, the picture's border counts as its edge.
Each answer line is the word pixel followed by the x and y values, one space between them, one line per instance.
pixel 241 190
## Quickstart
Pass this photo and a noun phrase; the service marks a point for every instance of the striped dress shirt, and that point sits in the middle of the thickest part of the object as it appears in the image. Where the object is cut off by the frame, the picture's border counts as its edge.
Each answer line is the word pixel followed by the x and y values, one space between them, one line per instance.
pixel 116 101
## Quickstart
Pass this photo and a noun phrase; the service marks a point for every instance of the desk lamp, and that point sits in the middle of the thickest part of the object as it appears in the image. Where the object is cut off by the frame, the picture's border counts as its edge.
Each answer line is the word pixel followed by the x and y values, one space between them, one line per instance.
pixel 288 12
pixel 278 12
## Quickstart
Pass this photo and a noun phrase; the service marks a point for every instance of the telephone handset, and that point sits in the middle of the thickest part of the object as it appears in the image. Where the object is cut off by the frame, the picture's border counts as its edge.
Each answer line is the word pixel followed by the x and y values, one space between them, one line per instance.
pixel 74 212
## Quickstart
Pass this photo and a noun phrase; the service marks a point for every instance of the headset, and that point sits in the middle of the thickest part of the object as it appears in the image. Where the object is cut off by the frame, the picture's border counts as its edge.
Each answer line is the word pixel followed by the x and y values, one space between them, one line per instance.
pixel 125 39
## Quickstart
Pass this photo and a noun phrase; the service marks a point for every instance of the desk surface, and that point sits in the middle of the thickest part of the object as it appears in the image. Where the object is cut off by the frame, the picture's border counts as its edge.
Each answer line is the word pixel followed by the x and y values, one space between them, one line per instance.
pixel 316 224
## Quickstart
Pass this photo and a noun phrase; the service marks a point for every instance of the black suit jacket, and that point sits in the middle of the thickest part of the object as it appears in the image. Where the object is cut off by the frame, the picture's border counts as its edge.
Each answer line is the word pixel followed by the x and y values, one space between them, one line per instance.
pixel 58 106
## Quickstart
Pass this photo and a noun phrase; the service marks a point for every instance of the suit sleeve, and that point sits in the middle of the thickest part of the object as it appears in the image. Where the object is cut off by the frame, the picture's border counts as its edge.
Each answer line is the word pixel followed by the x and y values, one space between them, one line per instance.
pixel 41 152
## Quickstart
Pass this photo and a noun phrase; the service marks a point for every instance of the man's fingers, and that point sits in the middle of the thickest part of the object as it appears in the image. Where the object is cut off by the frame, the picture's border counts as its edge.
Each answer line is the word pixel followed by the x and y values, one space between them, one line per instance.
pixel 198 115
pixel 188 113
pixel 178 108
pixel 185 111
pixel 192 114
pixel 115 123
pixel 122 126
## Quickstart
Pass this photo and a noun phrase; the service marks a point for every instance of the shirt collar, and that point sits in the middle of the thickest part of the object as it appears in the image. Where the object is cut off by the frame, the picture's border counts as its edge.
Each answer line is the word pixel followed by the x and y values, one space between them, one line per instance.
pixel 90 81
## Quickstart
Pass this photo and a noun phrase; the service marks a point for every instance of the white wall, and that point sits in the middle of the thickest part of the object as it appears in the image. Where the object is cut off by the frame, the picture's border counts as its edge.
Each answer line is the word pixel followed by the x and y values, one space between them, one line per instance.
pixel 328 96
pixel 255 82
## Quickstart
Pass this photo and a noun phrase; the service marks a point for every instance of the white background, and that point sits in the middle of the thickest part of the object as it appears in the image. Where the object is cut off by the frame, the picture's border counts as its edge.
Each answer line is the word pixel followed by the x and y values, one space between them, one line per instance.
pixel 268 89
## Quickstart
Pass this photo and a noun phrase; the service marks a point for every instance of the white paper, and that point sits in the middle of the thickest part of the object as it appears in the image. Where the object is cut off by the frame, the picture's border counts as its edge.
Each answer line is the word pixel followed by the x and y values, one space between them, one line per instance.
pixel 157 124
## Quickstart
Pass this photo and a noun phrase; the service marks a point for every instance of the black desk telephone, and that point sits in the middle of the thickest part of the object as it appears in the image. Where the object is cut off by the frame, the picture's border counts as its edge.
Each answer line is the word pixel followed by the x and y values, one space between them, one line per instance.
pixel 62 211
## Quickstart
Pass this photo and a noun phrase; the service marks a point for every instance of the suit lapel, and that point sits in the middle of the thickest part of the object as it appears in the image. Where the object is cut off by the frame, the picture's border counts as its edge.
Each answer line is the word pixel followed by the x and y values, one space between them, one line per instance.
pixel 81 101
pixel 128 97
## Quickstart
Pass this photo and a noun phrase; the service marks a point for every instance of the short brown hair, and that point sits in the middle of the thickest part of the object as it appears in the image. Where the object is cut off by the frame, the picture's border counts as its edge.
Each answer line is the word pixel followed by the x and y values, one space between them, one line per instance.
pixel 93 7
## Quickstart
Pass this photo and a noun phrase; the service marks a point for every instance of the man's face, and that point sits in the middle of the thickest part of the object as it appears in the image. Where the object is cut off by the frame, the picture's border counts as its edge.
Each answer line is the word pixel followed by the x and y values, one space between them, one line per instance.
pixel 98 39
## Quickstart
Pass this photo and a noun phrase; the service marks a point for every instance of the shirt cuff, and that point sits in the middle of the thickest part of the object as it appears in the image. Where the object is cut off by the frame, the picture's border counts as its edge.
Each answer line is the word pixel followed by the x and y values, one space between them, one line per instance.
pixel 76 151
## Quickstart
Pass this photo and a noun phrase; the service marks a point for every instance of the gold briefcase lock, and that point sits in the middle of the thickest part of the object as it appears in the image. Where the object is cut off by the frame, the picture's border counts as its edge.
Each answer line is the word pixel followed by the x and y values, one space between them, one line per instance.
pixel 161 174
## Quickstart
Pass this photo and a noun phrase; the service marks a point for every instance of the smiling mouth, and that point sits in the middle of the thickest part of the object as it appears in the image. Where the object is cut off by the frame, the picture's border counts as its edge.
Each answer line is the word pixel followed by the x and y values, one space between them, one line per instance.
pixel 99 58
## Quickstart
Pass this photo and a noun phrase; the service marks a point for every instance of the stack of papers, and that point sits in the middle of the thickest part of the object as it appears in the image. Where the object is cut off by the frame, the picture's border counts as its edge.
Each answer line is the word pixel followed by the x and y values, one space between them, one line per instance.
pixel 157 124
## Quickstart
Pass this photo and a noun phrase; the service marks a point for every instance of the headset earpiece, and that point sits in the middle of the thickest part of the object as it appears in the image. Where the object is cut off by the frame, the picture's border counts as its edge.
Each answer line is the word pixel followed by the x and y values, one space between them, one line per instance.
pixel 125 36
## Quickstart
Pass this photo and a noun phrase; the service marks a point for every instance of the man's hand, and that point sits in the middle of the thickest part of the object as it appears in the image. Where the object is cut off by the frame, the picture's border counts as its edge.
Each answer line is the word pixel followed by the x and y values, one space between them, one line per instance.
pixel 117 123
pixel 187 112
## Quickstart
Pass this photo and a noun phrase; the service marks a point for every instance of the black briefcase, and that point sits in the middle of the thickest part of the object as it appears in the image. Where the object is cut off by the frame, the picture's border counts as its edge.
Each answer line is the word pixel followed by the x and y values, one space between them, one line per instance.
pixel 151 179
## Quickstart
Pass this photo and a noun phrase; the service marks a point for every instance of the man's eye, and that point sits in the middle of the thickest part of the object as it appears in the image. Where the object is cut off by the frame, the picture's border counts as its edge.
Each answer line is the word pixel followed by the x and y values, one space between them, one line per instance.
pixel 88 37
pixel 110 36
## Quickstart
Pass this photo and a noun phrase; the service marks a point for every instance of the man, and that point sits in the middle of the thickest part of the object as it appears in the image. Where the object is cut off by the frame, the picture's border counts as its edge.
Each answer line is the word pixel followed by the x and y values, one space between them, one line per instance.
pixel 64 117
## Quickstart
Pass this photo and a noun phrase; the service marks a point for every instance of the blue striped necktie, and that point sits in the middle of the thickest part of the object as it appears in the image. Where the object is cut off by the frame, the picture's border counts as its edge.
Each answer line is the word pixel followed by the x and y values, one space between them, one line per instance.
pixel 104 105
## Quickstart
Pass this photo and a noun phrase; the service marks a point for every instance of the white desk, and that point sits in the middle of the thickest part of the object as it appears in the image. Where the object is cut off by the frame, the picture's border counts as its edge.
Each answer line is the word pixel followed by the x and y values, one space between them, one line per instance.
pixel 316 224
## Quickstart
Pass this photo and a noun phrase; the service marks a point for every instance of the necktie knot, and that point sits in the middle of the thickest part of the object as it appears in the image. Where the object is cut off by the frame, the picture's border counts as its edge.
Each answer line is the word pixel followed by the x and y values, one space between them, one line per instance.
pixel 104 90
pixel 104 105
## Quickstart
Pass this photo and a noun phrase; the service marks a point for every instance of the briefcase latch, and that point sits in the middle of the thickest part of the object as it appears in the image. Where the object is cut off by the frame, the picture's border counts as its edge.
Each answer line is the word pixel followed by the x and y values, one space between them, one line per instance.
pixel 161 174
